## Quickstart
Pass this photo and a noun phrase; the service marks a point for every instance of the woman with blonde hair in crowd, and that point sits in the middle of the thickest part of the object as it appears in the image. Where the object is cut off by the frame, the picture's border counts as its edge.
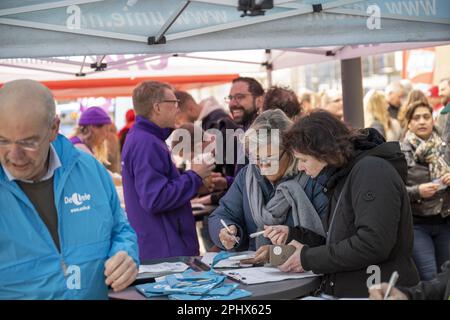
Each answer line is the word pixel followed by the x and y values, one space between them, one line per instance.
pixel 91 136
pixel 414 96
pixel 91 133
pixel 377 116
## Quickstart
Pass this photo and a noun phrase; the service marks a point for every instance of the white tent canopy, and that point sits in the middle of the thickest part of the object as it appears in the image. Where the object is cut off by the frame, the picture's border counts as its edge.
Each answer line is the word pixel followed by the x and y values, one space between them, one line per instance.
pixel 96 27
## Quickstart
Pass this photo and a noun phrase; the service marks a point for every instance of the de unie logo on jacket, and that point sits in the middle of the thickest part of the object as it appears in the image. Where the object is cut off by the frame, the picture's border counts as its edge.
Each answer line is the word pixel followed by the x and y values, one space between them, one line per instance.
pixel 78 202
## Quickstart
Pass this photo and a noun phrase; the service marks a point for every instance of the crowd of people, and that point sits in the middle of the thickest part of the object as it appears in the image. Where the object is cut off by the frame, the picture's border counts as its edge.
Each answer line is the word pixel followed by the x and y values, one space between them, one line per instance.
pixel 345 198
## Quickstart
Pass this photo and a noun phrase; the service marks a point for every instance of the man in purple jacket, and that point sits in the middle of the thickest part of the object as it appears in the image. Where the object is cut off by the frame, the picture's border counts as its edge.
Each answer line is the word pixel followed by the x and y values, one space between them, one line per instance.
pixel 157 196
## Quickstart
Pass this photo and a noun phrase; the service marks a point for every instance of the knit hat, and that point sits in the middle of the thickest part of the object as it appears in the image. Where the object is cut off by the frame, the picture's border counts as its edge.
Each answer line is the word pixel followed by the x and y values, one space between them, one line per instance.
pixel 130 116
pixel 94 116
pixel 433 92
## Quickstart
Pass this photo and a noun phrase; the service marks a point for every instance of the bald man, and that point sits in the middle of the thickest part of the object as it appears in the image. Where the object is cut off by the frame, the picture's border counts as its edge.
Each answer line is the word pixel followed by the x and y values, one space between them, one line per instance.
pixel 63 234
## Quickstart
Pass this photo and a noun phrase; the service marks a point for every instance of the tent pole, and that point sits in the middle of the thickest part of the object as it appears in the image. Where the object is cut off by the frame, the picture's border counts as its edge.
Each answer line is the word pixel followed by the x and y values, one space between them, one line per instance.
pixel 352 92
pixel 269 67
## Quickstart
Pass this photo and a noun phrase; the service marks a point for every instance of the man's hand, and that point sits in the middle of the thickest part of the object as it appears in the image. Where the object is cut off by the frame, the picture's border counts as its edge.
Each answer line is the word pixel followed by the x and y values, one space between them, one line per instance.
pixel 261 256
pixel 218 182
pixel 293 264
pixel 203 170
pixel 277 234
pixel 120 271
pixel 378 291
pixel 203 200
pixel 446 179
pixel 427 190
pixel 228 240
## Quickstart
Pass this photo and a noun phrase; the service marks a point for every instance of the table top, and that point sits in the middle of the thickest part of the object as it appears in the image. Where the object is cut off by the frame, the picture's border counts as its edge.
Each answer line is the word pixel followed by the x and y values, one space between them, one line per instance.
pixel 281 290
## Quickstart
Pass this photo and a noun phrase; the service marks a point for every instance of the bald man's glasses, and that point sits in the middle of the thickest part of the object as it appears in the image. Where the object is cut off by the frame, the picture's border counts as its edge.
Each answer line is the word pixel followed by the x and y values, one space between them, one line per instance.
pixel 32 144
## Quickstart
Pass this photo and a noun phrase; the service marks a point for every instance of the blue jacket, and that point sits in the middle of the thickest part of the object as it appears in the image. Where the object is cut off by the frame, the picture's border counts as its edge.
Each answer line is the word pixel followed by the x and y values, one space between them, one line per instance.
pixel 234 209
pixel 91 227
pixel 157 196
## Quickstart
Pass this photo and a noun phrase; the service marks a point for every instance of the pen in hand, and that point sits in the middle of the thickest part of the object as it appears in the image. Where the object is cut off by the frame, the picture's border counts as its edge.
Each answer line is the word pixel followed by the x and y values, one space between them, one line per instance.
pixel 392 282
pixel 255 234
pixel 229 231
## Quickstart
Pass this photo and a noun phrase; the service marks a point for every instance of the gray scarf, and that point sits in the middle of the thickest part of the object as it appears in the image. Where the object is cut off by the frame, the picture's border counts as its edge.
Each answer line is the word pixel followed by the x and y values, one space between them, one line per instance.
pixel 288 195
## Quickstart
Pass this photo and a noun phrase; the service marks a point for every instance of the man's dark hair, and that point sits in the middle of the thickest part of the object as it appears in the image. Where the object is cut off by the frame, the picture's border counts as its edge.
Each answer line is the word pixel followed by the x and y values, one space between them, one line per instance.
pixel 184 98
pixel 254 87
pixel 323 136
pixel 284 99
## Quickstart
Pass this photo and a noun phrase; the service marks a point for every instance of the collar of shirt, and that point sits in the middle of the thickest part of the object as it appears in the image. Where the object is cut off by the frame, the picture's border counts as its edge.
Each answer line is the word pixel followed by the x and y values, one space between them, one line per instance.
pixel 54 163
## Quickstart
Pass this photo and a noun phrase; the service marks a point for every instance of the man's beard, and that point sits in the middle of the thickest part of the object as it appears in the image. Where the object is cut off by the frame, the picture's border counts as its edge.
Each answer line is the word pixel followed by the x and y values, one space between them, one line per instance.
pixel 248 115
pixel 445 100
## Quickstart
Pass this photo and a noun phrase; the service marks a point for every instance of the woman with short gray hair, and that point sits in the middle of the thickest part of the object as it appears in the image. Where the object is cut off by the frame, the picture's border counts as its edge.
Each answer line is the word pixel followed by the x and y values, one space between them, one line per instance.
pixel 269 192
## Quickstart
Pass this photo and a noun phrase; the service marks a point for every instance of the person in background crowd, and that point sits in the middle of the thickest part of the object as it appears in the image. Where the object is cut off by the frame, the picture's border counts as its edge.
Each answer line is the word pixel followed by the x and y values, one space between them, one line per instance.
pixel 443 123
pixel 444 91
pixel 413 96
pixel 308 102
pixel 407 86
pixel 113 147
pixel 157 196
pixel 331 101
pixel 129 122
pixel 198 145
pixel 63 234
pixel 189 109
pixel 269 191
pixel 244 101
pixel 213 116
pixel 377 116
pixel 428 181
pixel 369 219
pixel 395 93
pixel 434 100
pixel 436 289
pixel 91 133
pixel 284 99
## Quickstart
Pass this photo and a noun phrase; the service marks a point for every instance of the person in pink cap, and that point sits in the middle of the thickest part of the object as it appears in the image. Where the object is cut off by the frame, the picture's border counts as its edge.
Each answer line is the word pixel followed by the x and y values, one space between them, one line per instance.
pixel 91 133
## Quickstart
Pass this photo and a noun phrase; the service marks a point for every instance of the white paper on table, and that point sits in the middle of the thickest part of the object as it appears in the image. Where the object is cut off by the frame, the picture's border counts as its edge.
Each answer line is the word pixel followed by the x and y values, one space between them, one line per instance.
pixel 265 274
pixel 170 267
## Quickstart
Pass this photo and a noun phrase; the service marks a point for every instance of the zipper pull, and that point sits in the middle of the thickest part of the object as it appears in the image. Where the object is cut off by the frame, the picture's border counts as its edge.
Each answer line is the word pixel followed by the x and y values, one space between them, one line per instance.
pixel 64 267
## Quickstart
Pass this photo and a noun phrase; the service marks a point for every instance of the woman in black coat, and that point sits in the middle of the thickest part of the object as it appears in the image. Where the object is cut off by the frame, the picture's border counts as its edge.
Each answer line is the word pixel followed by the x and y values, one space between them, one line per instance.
pixel 369 224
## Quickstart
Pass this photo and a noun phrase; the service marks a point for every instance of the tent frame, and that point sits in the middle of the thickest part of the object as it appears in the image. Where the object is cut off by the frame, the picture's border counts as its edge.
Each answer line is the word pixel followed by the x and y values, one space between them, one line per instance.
pixel 297 10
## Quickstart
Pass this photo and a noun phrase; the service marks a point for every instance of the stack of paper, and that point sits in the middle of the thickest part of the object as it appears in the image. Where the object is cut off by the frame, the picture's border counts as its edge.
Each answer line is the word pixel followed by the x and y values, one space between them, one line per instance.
pixel 161 269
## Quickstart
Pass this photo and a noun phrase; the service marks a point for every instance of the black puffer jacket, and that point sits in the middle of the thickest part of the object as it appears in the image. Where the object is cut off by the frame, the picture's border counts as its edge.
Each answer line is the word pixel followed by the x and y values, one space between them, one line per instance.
pixel 220 120
pixel 434 210
pixel 436 289
pixel 371 225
